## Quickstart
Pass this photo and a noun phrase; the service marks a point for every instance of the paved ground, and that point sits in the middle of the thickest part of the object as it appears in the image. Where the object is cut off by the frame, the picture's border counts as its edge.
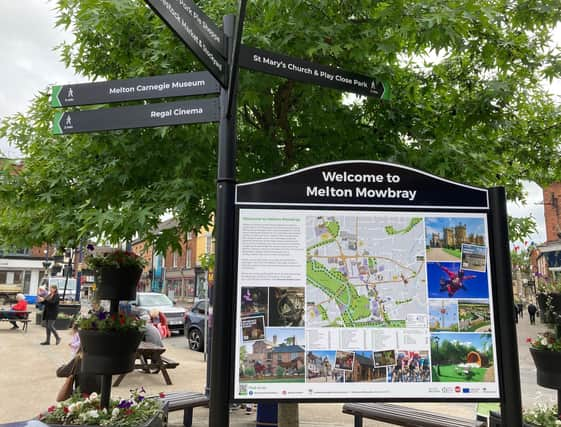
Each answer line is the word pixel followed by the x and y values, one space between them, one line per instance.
pixel 28 383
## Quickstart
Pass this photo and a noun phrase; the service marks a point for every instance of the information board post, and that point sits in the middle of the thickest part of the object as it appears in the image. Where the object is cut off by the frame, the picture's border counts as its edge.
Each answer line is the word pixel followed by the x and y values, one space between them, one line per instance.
pixel 509 375
pixel 223 295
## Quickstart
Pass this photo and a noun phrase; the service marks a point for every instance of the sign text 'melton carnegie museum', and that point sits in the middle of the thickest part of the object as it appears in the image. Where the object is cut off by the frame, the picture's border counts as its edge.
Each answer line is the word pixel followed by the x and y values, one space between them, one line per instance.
pixel 359 191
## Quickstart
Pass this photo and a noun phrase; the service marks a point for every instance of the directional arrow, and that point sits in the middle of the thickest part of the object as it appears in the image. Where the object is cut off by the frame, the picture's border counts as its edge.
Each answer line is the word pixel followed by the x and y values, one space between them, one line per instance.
pixel 175 14
pixel 137 116
pixel 185 84
pixel 309 72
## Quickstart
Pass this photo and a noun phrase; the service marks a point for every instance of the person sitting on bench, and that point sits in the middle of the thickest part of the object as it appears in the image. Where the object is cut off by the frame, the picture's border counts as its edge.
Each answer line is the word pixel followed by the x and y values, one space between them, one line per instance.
pixel 21 305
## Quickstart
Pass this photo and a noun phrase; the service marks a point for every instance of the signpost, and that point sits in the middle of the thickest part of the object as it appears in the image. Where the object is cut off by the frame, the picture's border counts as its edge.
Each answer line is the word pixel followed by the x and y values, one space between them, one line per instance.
pixel 167 86
pixel 181 19
pixel 137 116
pixel 309 72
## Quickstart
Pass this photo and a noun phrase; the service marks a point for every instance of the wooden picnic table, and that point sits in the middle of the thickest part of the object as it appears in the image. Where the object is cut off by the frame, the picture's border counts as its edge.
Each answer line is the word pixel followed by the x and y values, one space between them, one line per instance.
pixel 149 358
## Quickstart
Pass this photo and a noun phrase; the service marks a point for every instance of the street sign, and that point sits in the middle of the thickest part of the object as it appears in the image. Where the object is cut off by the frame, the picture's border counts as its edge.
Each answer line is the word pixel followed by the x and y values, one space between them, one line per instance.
pixel 175 14
pixel 184 84
pixel 309 72
pixel 215 36
pixel 137 116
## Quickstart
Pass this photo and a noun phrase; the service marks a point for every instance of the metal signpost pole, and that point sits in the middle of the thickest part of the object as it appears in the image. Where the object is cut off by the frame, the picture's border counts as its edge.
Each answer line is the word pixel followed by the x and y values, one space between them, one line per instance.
pixel 222 322
pixel 509 374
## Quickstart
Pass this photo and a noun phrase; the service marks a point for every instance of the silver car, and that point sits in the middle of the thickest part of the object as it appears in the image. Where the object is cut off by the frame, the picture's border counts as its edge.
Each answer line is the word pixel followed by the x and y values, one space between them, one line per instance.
pixel 146 301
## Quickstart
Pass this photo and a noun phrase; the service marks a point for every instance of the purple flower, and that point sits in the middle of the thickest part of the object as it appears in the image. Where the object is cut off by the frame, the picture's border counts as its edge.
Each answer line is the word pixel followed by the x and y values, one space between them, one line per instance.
pixel 90 247
pixel 124 404
pixel 101 315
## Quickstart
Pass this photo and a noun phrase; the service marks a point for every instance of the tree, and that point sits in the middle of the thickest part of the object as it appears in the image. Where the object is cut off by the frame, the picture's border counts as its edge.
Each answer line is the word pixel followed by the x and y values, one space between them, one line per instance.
pixel 467 105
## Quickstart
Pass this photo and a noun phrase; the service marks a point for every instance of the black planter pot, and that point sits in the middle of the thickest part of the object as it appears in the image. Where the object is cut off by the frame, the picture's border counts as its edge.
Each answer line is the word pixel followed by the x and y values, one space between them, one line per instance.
pixel 117 283
pixel 62 324
pixel 70 309
pixel 548 364
pixel 109 352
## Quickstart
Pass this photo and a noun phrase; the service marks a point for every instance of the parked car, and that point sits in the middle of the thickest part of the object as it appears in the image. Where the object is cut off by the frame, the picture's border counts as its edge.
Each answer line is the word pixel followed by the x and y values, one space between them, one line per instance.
pixel 195 325
pixel 146 301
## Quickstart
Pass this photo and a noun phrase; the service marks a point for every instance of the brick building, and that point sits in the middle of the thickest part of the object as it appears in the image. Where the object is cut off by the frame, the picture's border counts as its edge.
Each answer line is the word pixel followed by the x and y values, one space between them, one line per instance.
pixel 546 263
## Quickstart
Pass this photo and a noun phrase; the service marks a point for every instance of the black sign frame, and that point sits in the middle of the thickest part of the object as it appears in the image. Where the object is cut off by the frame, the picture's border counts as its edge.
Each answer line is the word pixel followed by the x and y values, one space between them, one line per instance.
pixel 248 196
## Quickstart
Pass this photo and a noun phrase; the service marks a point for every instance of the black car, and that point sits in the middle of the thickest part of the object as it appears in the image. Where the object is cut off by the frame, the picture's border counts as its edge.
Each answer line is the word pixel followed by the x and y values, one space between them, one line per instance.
pixel 195 325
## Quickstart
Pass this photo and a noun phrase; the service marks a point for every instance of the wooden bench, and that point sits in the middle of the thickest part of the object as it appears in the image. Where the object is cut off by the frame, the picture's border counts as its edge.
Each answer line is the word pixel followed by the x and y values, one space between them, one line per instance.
pixel 186 401
pixel 404 416
pixel 16 316
pixel 152 367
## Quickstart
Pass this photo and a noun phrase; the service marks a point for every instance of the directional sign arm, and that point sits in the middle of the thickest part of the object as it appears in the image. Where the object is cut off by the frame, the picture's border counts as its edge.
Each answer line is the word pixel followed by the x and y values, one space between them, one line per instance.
pixel 165 86
pixel 137 116
pixel 310 72
pixel 183 25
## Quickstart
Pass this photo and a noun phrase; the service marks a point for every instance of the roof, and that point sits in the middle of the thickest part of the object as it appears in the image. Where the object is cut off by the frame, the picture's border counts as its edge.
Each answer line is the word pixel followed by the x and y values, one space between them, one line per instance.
pixel 283 348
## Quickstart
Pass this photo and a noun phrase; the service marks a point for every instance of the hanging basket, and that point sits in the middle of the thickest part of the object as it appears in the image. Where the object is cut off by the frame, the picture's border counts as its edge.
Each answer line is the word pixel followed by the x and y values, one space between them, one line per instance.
pixel 117 283
pixel 109 352
pixel 548 365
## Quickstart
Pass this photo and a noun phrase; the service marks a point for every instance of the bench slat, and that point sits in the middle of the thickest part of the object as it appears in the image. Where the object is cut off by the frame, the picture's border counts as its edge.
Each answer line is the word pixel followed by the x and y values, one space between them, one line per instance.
pixel 406 417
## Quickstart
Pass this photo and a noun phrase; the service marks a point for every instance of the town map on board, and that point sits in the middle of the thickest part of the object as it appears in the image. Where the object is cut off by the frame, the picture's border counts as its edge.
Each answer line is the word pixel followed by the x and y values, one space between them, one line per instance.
pixel 365 271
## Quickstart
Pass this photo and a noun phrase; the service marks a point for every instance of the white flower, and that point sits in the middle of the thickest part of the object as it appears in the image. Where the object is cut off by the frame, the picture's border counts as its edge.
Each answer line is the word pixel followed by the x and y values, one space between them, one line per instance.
pixel 92 396
pixel 115 412
pixel 93 414
pixel 71 408
pixel 544 341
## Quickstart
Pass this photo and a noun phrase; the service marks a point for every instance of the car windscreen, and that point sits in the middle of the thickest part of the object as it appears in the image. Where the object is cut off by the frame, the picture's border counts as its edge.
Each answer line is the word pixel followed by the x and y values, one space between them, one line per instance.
pixel 153 300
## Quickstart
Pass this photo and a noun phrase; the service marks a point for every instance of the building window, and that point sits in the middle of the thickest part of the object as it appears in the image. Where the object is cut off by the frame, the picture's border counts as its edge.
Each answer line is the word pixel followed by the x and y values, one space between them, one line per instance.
pixel 175 258
pixel 188 258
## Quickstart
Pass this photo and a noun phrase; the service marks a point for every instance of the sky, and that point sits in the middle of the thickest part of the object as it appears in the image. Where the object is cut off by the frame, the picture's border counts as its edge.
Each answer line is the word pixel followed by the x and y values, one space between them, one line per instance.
pixel 27 39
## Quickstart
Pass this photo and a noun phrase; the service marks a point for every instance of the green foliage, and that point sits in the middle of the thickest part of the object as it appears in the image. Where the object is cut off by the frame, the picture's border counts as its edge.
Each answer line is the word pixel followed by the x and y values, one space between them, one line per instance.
pixel 543 416
pixel 467 105
pixel 82 410
pixel 116 259
pixel 103 321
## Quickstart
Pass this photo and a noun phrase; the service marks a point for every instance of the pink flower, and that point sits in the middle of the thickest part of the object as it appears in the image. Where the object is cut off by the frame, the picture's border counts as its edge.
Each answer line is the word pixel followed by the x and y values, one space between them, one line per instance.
pixel 162 395
pixel 51 408
pixel 528 340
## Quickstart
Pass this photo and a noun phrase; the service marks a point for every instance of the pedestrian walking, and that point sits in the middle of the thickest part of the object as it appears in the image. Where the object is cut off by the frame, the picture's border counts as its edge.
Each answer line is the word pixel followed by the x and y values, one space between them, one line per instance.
pixel 515 313
pixel 532 309
pixel 50 314
pixel 520 309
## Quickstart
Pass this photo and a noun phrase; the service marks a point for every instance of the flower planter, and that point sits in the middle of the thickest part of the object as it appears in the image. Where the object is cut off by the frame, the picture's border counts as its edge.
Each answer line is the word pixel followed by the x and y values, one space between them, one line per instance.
pixel 62 324
pixel 548 364
pixel 546 307
pixel 117 283
pixel 156 421
pixel 70 309
pixel 109 352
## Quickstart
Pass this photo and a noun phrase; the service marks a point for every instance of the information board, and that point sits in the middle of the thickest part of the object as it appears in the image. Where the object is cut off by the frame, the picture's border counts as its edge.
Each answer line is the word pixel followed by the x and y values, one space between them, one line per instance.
pixel 386 301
